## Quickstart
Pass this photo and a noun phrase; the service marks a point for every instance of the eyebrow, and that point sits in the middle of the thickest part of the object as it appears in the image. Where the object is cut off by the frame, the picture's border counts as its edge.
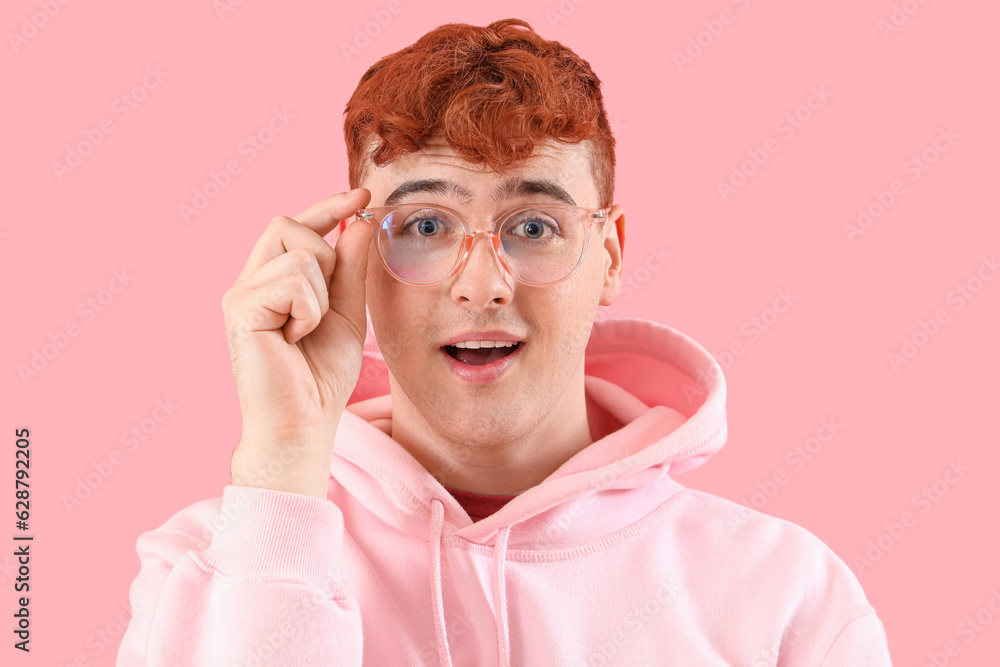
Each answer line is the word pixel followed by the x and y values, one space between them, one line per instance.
pixel 511 187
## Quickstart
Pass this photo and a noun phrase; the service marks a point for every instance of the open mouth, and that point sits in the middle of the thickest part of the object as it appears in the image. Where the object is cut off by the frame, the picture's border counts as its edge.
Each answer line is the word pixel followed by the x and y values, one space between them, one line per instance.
pixel 480 356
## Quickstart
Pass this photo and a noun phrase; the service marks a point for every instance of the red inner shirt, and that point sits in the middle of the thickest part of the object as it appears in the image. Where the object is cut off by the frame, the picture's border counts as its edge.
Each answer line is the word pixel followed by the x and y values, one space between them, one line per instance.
pixel 478 505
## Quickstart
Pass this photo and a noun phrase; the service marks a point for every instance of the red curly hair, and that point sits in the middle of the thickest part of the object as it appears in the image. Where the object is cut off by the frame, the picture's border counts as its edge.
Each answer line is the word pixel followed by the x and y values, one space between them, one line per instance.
pixel 494 92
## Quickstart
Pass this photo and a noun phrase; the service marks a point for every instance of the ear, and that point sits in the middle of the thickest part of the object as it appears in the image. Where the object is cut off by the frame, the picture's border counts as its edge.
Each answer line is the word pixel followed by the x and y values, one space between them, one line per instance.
pixel 613 248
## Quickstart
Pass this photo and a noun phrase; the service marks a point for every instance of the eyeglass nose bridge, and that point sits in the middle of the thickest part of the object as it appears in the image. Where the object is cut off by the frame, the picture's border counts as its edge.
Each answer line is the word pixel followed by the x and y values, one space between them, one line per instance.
pixel 496 249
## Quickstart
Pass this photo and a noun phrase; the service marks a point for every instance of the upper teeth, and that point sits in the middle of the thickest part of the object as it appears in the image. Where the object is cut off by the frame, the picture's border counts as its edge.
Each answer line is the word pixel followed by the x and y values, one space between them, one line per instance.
pixel 475 344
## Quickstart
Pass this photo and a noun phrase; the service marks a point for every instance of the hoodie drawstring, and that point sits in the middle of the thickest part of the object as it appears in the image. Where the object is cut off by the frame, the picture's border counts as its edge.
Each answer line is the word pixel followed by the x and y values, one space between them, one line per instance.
pixel 437 532
pixel 500 595
pixel 499 588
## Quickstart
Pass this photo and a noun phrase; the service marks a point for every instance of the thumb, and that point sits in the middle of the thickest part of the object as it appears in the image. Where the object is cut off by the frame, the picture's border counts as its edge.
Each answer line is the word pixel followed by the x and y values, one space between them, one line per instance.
pixel 347 283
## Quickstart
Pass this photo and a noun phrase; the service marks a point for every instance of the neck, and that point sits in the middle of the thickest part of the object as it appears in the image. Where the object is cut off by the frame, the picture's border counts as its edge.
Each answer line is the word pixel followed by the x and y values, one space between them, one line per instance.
pixel 505 458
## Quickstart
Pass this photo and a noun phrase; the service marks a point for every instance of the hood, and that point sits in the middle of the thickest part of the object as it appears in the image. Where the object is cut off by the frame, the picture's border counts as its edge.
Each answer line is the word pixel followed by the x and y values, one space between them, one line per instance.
pixel 656 407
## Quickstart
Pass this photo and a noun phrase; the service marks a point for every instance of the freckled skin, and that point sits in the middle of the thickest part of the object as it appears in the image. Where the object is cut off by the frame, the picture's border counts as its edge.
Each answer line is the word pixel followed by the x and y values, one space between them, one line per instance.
pixel 505 436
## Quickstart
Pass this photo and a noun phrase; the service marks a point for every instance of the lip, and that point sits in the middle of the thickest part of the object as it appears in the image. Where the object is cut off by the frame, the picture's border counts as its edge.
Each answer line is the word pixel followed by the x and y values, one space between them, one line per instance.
pixel 481 374
pixel 484 335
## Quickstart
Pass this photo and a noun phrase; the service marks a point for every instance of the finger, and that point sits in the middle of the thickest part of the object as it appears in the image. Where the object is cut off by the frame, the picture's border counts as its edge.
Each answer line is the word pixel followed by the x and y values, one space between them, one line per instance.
pixel 308 229
pixel 347 289
pixel 298 260
pixel 325 214
pixel 347 284
pixel 284 235
pixel 287 303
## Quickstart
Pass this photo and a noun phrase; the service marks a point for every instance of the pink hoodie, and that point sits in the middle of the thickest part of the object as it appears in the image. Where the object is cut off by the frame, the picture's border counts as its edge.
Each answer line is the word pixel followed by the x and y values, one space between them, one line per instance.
pixel 608 561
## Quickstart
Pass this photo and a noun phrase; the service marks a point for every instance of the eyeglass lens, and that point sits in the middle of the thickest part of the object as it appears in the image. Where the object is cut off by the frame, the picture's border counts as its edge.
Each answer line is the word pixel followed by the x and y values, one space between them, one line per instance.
pixel 423 244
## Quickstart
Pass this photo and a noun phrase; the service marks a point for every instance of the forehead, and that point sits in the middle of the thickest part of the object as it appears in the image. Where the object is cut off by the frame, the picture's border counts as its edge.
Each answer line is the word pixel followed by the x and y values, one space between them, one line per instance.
pixel 568 165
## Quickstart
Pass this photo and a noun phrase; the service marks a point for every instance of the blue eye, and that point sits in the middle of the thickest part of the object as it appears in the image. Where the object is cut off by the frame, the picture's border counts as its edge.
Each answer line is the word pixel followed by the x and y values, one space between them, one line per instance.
pixel 535 229
pixel 426 226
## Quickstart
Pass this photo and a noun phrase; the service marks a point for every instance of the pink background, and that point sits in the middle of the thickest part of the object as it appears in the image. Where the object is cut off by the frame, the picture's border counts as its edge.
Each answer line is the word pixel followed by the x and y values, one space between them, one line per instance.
pixel 681 129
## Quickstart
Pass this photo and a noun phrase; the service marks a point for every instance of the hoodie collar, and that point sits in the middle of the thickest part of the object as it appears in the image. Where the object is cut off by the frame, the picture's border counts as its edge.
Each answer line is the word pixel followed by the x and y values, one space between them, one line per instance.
pixel 656 407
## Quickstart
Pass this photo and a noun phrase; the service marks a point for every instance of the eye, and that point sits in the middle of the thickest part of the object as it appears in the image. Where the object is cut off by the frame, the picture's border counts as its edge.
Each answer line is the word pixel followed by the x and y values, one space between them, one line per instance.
pixel 534 226
pixel 422 225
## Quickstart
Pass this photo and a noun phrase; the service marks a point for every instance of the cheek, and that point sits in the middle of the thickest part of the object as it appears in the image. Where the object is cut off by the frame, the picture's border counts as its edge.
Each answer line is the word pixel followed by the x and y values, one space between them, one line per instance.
pixel 596 266
pixel 569 314
pixel 381 289
pixel 399 319
pixel 564 322
pixel 381 301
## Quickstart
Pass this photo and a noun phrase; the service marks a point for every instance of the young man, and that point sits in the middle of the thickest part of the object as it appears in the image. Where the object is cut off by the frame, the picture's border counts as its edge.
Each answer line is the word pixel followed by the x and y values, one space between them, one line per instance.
pixel 491 483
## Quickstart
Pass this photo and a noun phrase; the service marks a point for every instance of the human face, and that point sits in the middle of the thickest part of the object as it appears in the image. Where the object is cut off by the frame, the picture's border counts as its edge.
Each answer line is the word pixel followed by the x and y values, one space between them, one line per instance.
pixel 413 323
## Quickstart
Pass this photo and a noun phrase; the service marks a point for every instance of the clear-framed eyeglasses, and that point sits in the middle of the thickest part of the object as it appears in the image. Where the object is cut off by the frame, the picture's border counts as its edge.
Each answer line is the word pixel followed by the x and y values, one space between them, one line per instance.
pixel 538 244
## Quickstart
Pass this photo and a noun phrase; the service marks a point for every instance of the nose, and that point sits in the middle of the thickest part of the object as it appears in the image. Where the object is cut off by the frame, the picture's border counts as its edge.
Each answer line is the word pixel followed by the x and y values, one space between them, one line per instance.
pixel 482 281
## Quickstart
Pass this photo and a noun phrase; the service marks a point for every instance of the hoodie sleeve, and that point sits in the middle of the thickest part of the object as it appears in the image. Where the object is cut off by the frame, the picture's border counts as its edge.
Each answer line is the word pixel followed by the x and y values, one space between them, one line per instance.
pixel 862 644
pixel 251 578
pixel 834 624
